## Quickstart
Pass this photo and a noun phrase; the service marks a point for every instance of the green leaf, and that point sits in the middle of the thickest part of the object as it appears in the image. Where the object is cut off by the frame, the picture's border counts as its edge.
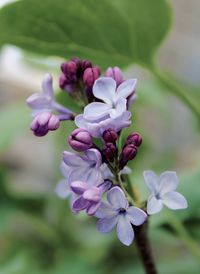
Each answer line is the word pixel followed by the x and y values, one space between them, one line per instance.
pixel 108 32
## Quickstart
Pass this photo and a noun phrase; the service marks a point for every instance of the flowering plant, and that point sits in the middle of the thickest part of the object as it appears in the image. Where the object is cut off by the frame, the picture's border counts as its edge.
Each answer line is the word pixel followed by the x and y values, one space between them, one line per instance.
pixel 93 171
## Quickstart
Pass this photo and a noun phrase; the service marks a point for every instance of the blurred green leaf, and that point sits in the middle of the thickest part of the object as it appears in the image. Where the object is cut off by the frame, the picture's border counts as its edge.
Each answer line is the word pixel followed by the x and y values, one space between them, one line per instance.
pixel 14 119
pixel 108 32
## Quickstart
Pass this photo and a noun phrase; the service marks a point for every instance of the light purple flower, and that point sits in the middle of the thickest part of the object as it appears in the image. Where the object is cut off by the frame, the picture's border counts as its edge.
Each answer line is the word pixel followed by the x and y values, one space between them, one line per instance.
pixel 117 212
pixel 86 168
pixel 97 127
pixel 45 101
pixel 89 197
pixel 163 192
pixel 113 98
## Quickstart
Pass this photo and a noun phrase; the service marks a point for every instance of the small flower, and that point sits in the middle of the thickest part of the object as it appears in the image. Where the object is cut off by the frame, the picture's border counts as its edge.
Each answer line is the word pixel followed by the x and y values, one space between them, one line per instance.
pixel 86 167
pixel 117 212
pixel 113 98
pixel 89 197
pixel 163 192
pixel 80 140
pixel 116 74
pixel 97 127
pixel 45 101
pixel 43 123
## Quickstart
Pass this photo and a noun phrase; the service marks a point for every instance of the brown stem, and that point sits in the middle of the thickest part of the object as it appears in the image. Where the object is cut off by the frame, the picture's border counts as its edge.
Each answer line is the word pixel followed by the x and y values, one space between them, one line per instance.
pixel 144 248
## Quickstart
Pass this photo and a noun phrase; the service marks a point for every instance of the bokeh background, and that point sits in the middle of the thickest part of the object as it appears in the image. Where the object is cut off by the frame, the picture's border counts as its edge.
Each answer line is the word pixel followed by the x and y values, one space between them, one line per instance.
pixel 38 233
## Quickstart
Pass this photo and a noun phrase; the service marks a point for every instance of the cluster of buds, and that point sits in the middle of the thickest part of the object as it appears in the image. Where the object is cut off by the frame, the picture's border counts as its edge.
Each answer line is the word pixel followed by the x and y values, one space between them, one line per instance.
pixel 93 170
pixel 78 77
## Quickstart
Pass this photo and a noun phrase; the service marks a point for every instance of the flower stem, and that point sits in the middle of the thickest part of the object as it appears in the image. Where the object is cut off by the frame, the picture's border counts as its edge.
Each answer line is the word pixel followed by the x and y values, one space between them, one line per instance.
pixel 144 248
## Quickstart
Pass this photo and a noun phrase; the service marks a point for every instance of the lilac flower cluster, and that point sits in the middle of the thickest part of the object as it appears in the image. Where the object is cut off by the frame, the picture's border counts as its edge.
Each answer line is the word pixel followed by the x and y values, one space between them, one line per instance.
pixel 89 170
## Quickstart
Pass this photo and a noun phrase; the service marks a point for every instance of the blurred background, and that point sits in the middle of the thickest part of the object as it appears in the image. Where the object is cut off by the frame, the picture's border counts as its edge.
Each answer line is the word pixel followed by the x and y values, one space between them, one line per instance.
pixel 38 233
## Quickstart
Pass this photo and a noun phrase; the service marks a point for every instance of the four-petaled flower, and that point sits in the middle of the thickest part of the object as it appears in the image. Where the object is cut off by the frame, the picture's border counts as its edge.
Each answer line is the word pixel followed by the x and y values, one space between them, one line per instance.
pixel 117 212
pixel 45 101
pixel 113 98
pixel 163 192
pixel 86 168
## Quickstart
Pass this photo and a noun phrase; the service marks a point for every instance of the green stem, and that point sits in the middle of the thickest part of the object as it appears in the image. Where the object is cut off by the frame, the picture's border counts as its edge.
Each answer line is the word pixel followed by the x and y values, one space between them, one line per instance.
pixel 177 89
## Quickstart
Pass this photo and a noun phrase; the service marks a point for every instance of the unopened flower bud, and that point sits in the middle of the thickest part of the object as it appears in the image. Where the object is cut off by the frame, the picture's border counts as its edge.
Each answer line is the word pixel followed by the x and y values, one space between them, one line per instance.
pixel 110 136
pixel 90 75
pixel 135 139
pixel 116 74
pixel 43 123
pixel 128 153
pixel 110 151
pixel 86 64
pixel 80 140
pixel 69 68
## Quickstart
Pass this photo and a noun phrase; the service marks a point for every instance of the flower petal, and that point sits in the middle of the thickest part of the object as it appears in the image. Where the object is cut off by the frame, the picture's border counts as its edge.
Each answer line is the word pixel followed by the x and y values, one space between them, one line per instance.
pixel 62 189
pixel 174 200
pixel 126 88
pixel 105 210
pixel 116 198
pixel 120 108
pixel 80 204
pixel 78 187
pixel 168 182
pixel 94 155
pixel 73 159
pixel 125 231
pixel 39 101
pixel 92 208
pixel 136 215
pixel 104 88
pixel 105 225
pixel 96 110
pixel 47 86
pixel 151 180
pixel 154 205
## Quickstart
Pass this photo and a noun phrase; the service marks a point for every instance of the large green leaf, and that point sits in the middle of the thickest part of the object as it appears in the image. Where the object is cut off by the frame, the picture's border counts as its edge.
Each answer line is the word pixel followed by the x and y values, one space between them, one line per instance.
pixel 108 32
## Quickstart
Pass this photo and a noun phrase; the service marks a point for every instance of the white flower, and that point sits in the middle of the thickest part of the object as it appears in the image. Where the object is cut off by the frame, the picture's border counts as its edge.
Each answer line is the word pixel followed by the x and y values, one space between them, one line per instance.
pixel 163 192
pixel 113 97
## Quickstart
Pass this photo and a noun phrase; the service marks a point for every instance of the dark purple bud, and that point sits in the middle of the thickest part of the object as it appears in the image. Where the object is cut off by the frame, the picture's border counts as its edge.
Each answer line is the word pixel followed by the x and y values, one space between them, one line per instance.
pixel 69 68
pixel 135 139
pixel 128 153
pixel 110 151
pixel 116 74
pixel 90 75
pixel 86 64
pixel 110 136
pixel 43 123
pixel 80 140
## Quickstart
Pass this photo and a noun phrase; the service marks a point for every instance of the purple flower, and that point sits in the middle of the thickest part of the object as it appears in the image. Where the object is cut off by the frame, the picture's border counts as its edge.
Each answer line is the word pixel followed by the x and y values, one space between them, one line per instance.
pixel 117 212
pixel 163 192
pixel 116 74
pixel 113 98
pixel 97 127
pixel 45 101
pixel 80 140
pixel 90 75
pixel 43 123
pixel 89 197
pixel 86 168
